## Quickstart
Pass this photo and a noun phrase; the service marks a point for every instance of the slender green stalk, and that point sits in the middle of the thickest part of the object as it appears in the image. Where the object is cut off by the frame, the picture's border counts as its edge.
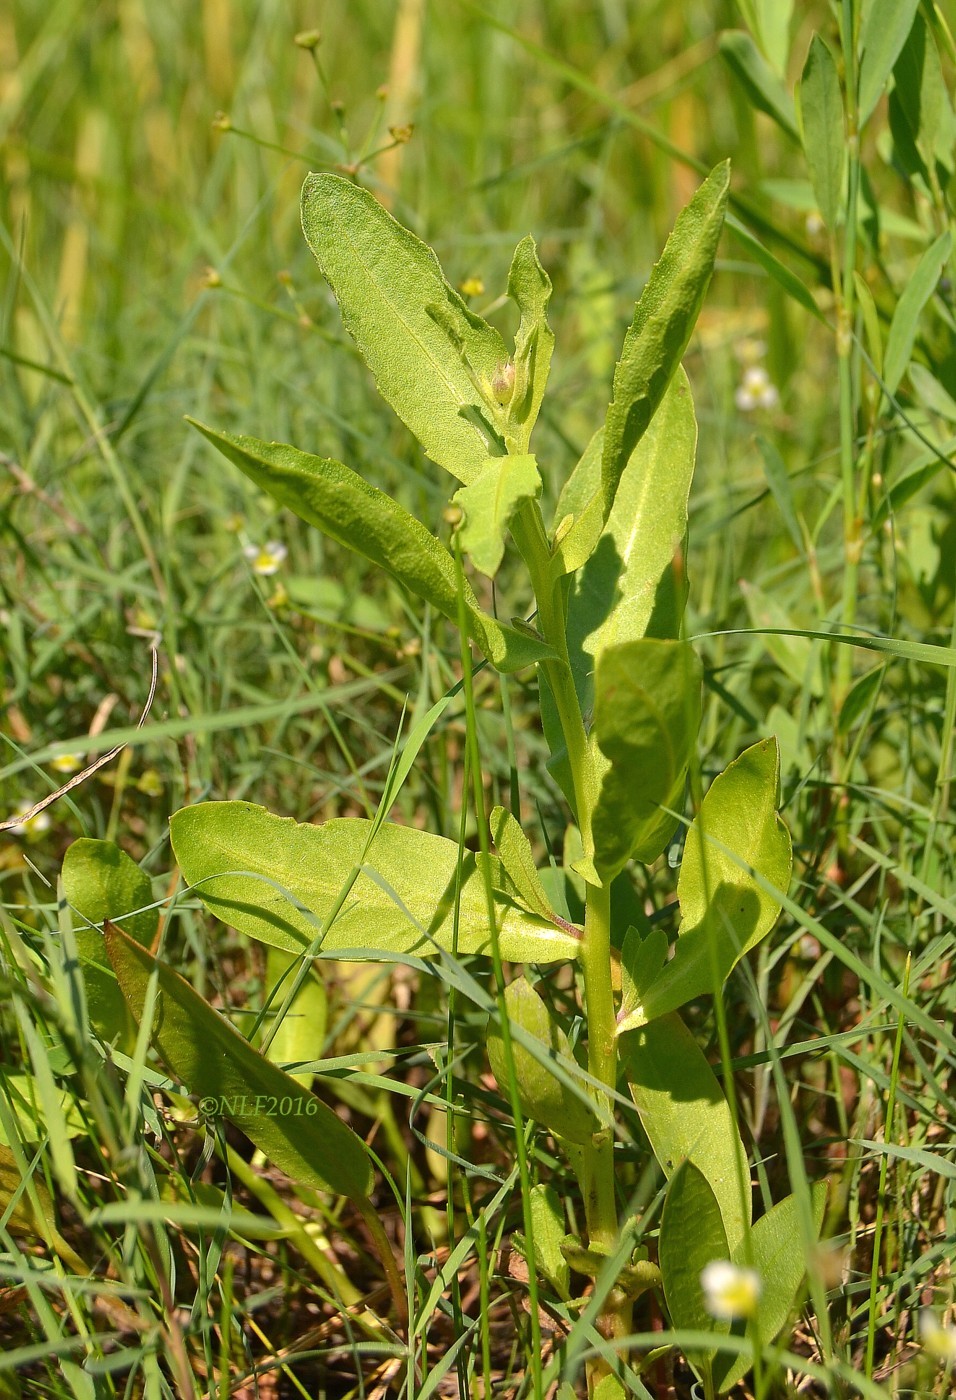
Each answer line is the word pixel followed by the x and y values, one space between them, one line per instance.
pixel 884 1168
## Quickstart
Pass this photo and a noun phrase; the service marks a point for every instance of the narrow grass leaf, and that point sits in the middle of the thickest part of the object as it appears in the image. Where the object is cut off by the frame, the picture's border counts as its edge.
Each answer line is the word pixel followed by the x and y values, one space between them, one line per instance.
pixel 905 323
pixel 339 502
pixel 771 264
pixel 821 123
pixel 885 30
pixel 778 479
pixel 429 354
pixel 488 505
pixel 646 716
pixel 663 321
pixel 293 1128
pixel 685 1115
pixel 760 83
pixel 279 882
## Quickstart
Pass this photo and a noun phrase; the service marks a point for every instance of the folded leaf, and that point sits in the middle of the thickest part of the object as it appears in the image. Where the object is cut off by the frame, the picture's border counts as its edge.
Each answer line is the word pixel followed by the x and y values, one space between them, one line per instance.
pixel 339 502
pixel 763 87
pixel 634 584
pixel 100 882
pixel 579 514
pixel 429 354
pixel 517 857
pixel 529 287
pixel 724 910
pixel 488 505
pixel 646 717
pixel 279 882
pixel 293 1127
pixel 685 1115
pixel 663 321
pixel 543 1096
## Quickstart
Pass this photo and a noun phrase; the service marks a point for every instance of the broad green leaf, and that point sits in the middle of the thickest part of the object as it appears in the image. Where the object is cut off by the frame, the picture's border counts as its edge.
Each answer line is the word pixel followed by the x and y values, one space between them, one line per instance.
pixel 905 323
pixel 634 584
pixel 300 1035
pixel 923 97
pixel 292 1126
pixel 279 882
pixel 692 1236
pixel 797 657
pixel 547 1228
pixel 489 503
pixel 529 287
pixel 100 882
pixel 762 85
pixel 685 1115
pixel 778 479
pixel 724 911
pixel 433 360
pixel 663 321
pixel 514 849
pixel 821 124
pixel 646 717
pixel 542 1095
pixel 339 502
pixel 777 1252
pixel 885 30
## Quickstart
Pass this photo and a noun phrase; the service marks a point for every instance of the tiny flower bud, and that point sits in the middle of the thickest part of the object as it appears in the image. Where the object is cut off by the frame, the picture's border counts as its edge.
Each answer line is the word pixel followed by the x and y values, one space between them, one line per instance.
pixel 503 383
pixel 308 39
pixel 401 134
pixel 222 122
pixel 471 287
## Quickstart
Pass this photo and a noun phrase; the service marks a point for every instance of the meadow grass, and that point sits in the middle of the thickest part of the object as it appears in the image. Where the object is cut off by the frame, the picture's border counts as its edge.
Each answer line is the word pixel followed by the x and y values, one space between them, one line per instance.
pixel 154 266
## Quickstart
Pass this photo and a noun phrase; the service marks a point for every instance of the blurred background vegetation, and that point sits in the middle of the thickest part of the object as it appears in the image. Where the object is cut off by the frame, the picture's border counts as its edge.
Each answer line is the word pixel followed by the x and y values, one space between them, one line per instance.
pixel 153 266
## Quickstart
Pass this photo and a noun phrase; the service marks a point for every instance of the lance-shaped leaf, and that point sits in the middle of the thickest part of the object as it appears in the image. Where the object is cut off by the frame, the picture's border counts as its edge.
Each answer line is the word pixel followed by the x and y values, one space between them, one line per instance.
pixel 777 1249
pixel 765 90
pixel 429 354
pixel 725 910
pixel 885 29
pixel 339 502
pixel 488 505
pixel 101 882
pixel 579 515
pixel 692 1236
pixel 543 1096
pixel 634 583
pixel 646 717
pixel 662 326
pixel 293 1127
pixel 821 122
pixel 517 857
pixel 685 1115
pixel 280 882
pixel 529 287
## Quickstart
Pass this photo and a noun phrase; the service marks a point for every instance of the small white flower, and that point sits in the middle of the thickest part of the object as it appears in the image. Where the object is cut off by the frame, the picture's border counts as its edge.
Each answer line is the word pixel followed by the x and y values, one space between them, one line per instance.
pixel 756 390
pixel 938 1339
pixel 67 762
pixel 266 559
pixel 814 224
pixel 729 1291
pixel 31 827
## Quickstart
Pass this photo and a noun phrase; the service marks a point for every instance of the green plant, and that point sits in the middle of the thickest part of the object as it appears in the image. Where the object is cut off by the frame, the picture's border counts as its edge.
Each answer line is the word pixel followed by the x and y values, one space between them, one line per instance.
pixel 620 695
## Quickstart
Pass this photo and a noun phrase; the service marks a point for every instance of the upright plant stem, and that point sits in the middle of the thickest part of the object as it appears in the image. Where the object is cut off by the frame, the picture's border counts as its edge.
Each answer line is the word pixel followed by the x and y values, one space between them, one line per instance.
pixel 598 1157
